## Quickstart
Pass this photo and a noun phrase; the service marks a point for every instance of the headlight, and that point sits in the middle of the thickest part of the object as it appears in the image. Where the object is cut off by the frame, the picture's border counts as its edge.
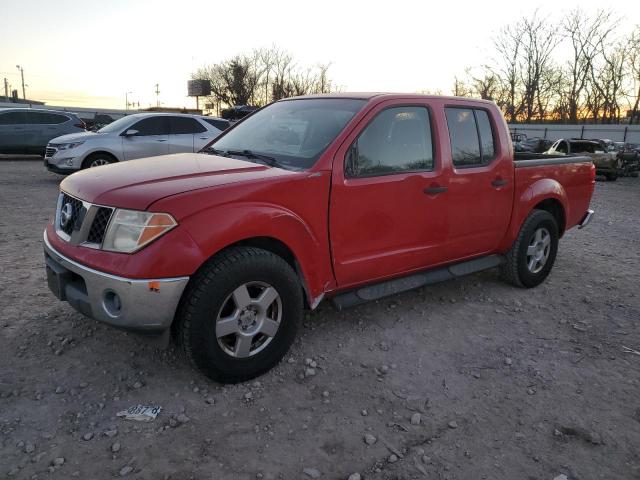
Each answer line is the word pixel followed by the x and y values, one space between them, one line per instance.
pixel 130 230
pixel 68 146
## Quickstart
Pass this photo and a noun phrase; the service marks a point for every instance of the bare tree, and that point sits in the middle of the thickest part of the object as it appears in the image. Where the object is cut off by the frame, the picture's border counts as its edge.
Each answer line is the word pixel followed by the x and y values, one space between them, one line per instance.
pixel 262 76
pixel 508 44
pixel 586 36
pixel 539 40
pixel 633 60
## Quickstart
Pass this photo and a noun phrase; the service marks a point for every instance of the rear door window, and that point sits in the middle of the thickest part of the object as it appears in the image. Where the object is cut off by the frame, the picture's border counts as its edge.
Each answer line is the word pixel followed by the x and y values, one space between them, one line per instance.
pixel 151 126
pixel 471 136
pixel 12 118
pixel 185 125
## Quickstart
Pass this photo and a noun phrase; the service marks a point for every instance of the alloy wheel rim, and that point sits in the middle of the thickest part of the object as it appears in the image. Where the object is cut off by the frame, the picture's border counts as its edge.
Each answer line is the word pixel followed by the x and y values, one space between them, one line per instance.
pixel 99 162
pixel 538 250
pixel 249 319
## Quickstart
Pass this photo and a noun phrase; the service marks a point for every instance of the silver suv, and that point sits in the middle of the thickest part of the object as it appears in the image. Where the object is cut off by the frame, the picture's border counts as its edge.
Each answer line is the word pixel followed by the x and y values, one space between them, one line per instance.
pixel 135 136
pixel 28 130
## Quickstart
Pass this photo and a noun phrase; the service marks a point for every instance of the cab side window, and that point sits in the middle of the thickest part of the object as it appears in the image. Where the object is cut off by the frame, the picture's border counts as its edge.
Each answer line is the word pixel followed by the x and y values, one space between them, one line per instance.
pixel 471 136
pixel 397 140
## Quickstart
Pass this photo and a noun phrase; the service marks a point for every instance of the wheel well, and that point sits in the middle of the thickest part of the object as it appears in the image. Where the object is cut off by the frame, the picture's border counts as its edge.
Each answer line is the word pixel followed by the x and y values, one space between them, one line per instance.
pixel 554 207
pixel 94 154
pixel 279 248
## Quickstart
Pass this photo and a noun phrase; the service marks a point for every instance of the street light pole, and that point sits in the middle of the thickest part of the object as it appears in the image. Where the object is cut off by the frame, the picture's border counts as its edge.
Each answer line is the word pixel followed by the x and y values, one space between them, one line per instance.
pixel 126 100
pixel 24 96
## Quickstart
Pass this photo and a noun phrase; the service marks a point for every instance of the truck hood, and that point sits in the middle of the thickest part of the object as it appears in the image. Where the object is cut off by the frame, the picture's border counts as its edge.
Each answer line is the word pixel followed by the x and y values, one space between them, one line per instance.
pixel 136 184
pixel 74 137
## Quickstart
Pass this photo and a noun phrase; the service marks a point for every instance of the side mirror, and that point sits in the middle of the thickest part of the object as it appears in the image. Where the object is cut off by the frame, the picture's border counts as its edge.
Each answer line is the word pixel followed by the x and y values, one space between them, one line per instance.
pixel 130 133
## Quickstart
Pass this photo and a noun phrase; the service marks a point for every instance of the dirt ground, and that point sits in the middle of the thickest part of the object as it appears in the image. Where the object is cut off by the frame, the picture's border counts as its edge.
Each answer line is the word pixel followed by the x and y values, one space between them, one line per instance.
pixel 508 383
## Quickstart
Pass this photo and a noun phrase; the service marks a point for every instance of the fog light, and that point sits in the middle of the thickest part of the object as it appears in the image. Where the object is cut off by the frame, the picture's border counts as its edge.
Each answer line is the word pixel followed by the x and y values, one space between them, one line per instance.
pixel 69 162
pixel 112 303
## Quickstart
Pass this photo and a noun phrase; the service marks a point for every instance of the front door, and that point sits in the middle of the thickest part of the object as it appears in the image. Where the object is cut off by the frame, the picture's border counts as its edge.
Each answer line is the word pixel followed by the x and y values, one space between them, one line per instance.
pixel 151 139
pixel 387 212
pixel 480 185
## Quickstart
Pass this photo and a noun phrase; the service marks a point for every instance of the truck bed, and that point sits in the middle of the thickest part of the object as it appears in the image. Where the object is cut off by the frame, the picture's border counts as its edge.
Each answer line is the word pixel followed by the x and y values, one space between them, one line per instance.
pixel 526 159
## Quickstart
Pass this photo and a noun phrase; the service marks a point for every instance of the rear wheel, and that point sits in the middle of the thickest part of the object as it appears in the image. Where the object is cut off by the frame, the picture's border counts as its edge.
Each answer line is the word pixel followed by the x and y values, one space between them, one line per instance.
pixel 240 314
pixel 98 159
pixel 533 254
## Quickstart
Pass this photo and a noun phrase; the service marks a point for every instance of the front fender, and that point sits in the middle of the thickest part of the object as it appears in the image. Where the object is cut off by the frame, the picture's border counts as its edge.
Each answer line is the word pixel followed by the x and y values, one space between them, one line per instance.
pixel 216 228
pixel 537 192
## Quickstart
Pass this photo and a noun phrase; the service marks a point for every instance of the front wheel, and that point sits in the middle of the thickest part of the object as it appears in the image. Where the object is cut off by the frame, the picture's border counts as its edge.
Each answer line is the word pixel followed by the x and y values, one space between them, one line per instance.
pixel 533 254
pixel 97 160
pixel 240 314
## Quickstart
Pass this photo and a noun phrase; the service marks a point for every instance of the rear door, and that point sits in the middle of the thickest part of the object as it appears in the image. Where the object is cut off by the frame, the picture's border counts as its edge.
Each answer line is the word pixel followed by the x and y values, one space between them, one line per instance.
pixel 387 212
pixel 184 133
pixel 151 139
pixel 481 183
pixel 12 132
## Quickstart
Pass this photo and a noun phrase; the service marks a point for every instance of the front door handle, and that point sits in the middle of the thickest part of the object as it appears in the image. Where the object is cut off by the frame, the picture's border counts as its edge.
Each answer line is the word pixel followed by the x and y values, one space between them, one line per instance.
pixel 435 190
pixel 161 140
pixel 499 182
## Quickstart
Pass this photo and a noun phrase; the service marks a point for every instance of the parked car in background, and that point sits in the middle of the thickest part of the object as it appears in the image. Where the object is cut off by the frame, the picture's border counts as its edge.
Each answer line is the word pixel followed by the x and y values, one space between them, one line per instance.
pixel 238 112
pixel 629 154
pixel 534 145
pixel 28 130
pixel 347 196
pixel 134 136
pixel 606 164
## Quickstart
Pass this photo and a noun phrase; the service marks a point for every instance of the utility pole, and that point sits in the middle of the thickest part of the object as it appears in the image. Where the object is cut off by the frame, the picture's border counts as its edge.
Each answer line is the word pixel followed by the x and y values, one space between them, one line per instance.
pixel 126 100
pixel 157 94
pixel 24 96
pixel 6 90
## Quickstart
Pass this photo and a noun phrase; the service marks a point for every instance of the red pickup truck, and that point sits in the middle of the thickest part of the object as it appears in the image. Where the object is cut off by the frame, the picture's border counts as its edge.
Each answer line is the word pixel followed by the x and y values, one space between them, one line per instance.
pixel 351 197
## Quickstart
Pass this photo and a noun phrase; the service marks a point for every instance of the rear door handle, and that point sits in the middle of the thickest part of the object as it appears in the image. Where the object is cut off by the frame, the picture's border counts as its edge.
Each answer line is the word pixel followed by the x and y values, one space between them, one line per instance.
pixel 499 182
pixel 435 190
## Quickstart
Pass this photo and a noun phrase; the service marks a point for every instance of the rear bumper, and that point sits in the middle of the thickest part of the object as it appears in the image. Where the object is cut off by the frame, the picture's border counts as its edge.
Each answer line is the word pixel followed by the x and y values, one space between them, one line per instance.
pixel 146 306
pixel 586 219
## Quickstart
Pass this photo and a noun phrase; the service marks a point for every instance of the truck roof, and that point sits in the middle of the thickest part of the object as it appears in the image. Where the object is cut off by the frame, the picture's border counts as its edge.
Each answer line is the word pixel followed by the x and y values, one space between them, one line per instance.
pixel 385 96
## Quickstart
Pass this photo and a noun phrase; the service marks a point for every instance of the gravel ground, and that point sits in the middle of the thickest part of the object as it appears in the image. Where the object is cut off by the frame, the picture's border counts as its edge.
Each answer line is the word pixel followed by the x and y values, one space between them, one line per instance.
pixel 468 379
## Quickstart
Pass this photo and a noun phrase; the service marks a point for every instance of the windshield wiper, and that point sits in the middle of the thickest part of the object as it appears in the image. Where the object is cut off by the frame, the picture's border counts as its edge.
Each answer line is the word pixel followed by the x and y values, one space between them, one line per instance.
pixel 272 162
pixel 215 151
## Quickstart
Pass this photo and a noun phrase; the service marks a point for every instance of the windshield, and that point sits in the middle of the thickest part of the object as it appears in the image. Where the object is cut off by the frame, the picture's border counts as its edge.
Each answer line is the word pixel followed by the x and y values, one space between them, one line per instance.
pixel 293 133
pixel 117 126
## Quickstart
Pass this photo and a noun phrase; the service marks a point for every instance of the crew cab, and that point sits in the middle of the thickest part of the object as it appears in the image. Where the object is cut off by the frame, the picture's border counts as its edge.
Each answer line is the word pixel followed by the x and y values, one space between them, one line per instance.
pixel 348 197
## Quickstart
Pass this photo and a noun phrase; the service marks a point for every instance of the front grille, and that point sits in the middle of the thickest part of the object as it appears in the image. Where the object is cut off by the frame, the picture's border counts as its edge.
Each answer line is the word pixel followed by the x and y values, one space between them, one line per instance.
pixel 73 218
pixel 99 225
pixel 50 152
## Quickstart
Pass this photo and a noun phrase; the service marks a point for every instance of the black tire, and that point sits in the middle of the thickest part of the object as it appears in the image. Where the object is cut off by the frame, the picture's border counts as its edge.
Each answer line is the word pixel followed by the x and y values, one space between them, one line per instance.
pixel 516 270
pixel 611 177
pixel 98 157
pixel 209 293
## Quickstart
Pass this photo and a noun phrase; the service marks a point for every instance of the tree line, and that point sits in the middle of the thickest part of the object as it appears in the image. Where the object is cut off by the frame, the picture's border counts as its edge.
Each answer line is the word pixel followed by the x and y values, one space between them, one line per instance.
pixel 580 68
pixel 262 76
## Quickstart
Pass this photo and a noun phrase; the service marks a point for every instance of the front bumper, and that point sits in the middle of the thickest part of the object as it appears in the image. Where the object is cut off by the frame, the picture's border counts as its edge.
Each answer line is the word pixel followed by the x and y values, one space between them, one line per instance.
pixel 147 305
pixel 57 168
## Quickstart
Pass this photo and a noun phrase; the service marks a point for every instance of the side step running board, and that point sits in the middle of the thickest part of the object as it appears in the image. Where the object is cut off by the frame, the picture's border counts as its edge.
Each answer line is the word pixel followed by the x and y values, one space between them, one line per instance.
pixel 397 285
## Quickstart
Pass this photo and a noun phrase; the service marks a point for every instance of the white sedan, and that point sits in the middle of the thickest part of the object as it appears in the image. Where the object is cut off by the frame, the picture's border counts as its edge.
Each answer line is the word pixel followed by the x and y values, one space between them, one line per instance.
pixel 134 136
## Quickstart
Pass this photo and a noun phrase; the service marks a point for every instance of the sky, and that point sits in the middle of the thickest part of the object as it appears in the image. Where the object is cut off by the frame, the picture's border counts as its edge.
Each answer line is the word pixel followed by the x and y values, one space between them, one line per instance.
pixel 90 54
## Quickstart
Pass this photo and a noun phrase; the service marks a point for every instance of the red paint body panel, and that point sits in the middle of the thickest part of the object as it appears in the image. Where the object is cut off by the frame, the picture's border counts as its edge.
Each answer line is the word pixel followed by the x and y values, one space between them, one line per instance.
pixel 342 232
